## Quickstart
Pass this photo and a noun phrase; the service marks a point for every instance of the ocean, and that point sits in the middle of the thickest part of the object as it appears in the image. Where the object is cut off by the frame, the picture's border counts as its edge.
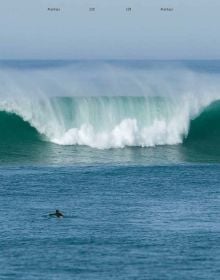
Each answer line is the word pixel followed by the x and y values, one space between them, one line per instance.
pixel 128 151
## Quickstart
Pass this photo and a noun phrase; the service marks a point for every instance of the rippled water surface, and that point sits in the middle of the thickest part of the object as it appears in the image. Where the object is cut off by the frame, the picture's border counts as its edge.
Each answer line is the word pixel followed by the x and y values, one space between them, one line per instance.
pixel 121 222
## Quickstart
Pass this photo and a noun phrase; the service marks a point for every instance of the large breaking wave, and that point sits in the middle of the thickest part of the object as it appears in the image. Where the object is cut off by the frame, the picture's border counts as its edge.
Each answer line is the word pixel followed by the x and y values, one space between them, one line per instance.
pixel 109 106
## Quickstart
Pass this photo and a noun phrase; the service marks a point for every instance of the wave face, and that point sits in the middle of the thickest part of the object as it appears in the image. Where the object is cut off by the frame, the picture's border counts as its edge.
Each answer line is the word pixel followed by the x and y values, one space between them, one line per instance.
pixel 14 129
pixel 205 129
pixel 107 105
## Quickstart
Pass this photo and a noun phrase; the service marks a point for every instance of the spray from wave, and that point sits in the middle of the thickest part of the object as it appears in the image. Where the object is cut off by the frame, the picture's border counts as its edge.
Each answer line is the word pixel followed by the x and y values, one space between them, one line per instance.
pixel 103 105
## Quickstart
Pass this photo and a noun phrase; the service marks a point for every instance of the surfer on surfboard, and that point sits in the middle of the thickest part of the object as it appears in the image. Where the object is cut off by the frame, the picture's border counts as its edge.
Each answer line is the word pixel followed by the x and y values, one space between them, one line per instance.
pixel 57 214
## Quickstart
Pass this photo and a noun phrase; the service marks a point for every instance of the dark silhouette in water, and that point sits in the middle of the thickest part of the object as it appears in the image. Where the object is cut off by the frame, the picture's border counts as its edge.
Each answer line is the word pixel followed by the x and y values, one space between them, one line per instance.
pixel 57 214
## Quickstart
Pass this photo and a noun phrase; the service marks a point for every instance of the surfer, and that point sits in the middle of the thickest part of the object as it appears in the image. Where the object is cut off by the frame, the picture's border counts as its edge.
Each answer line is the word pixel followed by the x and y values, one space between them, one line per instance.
pixel 57 214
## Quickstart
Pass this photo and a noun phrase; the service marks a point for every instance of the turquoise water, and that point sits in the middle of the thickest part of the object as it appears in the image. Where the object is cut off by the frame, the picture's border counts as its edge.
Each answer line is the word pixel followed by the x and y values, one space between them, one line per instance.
pixel 128 151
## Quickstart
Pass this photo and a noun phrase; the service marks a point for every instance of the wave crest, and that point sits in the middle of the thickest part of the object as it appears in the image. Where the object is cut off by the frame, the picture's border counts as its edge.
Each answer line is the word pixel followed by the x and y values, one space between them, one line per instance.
pixel 107 106
pixel 113 124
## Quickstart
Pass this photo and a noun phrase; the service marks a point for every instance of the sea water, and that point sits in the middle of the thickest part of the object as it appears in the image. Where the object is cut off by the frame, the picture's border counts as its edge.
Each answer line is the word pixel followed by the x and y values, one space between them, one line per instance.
pixel 128 151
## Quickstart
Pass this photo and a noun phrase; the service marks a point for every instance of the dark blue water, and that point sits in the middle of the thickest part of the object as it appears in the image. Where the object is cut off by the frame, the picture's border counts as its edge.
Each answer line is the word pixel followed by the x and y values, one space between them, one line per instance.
pixel 121 222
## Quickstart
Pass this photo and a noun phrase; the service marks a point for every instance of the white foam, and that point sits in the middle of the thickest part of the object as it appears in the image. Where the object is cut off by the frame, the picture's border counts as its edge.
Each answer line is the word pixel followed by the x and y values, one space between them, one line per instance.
pixel 156 110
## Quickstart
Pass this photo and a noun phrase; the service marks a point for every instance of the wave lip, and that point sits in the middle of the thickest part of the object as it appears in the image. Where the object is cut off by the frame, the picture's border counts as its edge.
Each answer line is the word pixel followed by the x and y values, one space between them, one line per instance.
pixel 104 123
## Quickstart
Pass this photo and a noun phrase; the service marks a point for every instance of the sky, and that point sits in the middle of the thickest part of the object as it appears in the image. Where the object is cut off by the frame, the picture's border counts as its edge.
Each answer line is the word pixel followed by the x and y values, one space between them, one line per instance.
pixel 28 30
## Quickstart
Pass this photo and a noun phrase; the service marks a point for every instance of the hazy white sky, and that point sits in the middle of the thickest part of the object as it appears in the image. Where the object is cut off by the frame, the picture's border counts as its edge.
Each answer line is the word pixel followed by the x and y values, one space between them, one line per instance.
pixel 29 30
